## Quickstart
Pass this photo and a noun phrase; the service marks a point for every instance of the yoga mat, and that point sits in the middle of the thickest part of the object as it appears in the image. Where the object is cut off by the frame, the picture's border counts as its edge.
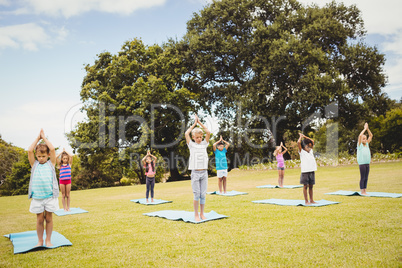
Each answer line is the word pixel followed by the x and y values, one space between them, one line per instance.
pixel 372 194
pixel 26 241
pixel 231 193
pixel 143 201
pixel 186 216
pixel 284 187
pixel 61 211
pixel 290 202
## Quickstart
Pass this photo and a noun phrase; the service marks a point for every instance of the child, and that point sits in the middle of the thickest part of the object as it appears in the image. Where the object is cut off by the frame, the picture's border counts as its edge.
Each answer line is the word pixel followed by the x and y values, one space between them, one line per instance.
pixel 364 157
pixel 221 162
pixel 281 163
pixel 308 166
pixel 43 186
pixel 64 164
pixel 149 164
pixel 198 164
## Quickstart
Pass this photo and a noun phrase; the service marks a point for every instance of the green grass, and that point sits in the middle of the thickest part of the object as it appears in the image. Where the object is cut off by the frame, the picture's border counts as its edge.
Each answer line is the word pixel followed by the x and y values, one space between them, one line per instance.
pixel 358 232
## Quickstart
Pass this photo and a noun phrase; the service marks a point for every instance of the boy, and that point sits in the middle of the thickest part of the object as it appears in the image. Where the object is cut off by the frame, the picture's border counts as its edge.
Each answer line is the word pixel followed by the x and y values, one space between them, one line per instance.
pixel 198 164
pixel 43 187
pixel 221 162
pixel 308 167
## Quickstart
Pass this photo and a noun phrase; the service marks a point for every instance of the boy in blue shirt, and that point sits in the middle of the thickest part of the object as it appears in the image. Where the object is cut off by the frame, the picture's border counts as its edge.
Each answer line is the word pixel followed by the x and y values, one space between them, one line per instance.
pixel 43 186
pixel 220 148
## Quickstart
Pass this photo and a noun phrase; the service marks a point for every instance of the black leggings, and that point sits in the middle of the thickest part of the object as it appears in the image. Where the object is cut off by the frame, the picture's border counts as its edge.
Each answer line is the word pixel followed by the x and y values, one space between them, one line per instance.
pixel 364 172
pixel 150 186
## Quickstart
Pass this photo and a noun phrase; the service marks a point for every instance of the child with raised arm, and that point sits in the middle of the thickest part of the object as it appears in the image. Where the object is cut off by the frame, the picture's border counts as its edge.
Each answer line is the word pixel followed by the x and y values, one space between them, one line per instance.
pixel 64 164
pixel 220 148
pixel 278 153
pixel 364 157
pixel 149 164
pixel 198 164
pixel 43 186
pixel 308 167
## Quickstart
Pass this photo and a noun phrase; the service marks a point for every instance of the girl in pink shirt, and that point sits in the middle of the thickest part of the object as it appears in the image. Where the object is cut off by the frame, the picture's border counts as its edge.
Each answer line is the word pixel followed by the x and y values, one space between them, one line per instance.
pixel 149 165
pixel 281 163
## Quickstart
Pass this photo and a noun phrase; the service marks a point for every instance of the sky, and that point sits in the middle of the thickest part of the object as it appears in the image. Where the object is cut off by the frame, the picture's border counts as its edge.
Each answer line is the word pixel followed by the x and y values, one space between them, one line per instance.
pixel 45 44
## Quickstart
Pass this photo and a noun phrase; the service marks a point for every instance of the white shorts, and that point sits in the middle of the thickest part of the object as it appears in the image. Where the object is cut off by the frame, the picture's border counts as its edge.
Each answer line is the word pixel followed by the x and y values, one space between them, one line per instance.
pixel 222 173
pixel 50 204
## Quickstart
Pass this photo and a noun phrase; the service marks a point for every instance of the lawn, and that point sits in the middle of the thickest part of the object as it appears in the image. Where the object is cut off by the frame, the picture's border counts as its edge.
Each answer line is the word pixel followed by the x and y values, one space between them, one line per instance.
pixel 358 232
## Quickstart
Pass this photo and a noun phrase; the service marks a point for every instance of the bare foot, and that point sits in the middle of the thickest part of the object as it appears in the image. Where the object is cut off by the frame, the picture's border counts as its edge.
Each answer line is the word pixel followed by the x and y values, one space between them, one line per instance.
pixel 364 193
pixel 68 209
pixel 308 203
pixel 49 244
pixel 152 200
pixel 203 217
pixel 147 201
pixel 40 244
pixel 313 202
pixel 197 218
pixel 225 192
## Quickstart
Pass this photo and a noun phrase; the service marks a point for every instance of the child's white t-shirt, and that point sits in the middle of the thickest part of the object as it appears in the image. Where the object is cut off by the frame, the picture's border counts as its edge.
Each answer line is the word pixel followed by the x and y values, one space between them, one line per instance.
pixel 307 160
pixel 198 155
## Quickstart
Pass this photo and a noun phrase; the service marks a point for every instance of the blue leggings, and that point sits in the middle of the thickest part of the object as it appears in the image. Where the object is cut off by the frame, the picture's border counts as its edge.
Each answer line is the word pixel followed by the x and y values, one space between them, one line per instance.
pixel 150 186
pixel 364 172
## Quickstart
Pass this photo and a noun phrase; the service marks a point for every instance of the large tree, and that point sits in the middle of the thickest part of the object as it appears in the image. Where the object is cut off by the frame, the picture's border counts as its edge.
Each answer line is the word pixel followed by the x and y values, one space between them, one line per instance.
pixel 134 101
pixel 278 57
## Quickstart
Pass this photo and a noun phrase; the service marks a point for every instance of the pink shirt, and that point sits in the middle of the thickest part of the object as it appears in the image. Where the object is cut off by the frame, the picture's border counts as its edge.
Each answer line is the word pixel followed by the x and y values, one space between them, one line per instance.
pixel 281 162
pixel 150 172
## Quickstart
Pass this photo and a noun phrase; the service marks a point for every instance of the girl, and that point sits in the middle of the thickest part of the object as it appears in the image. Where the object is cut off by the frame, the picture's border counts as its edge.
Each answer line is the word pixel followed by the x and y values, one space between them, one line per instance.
pixel 64 164
pixel 281 163
pixel 364 157
pixel 149 164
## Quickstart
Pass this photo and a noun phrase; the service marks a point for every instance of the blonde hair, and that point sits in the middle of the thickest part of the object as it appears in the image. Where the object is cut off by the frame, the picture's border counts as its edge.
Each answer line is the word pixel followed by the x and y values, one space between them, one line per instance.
pixel 276 150
pixel 196 131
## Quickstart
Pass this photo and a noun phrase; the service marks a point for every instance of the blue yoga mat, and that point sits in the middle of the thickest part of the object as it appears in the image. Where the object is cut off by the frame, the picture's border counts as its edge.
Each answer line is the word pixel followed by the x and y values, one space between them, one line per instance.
pixel 143 201
pixel 372 194
pixel 61 211
pixel 284 187
pixel 26 241
pixel 186 216
pixel 290 202
pixel 231 193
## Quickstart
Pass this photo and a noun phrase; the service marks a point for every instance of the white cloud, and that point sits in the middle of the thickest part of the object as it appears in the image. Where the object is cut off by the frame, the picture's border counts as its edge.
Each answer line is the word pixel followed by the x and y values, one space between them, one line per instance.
pixel 27 119
pixel 29 36
pixel 70 8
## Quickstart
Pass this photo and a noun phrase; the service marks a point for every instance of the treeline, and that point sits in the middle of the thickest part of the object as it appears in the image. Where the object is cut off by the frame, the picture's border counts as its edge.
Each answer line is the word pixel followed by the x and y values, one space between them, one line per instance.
pixel 265 69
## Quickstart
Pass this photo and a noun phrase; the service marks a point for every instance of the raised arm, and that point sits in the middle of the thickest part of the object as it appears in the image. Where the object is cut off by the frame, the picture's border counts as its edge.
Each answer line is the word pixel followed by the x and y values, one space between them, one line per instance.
pixel 207 132
pixel 227 144
pixel 70 157
pixel 214 145
pixel 52 150
pixel 31 155
pixel 299 142
pixel 370 135
pixel 284 151
pixel 188 131
pixel 362 133
pixel 145 157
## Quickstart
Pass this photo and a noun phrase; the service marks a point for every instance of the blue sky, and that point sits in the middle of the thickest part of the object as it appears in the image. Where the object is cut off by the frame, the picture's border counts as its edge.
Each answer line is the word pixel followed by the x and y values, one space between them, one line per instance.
pixel 44 45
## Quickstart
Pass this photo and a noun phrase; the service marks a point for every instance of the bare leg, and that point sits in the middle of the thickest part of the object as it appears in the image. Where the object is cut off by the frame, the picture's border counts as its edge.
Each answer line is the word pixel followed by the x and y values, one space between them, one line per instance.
pixel 202 206
pixel 305 194
pixel 220 184
pixel 196 216
pixel 310 191
pixel 63 195
pixel 68 190
pixel 49 228
pixel 279 178
pixel 224 184
pixel 40 218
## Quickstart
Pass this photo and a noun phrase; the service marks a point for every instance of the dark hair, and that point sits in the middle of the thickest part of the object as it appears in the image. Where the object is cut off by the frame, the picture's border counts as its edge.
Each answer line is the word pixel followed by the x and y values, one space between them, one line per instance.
pixel 307 142
pixel 152 165
pixel 42 148
pixel 221 143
